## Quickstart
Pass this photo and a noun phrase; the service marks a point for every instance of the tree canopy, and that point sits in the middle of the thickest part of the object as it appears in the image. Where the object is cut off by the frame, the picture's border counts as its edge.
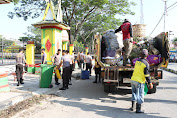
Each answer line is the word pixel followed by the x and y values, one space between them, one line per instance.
pixel 85 17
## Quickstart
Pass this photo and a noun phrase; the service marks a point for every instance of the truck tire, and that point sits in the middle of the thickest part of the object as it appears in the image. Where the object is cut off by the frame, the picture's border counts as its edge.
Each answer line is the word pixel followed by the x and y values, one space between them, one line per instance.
pixel 106 88
pixel 153 90
pixel 109 88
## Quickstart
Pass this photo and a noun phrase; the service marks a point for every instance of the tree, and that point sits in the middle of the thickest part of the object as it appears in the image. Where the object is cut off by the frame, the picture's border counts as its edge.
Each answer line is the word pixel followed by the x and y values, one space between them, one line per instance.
pixel 78 12
pixel 6 43
pixel 33 34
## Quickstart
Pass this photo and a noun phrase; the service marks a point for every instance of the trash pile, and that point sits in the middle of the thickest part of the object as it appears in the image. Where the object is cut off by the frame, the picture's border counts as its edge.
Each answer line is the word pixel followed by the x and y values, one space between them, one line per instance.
pixel 111 53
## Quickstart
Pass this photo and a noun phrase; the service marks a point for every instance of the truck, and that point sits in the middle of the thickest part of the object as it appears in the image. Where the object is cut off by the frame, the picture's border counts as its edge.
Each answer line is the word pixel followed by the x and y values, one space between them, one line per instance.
pixel 115 76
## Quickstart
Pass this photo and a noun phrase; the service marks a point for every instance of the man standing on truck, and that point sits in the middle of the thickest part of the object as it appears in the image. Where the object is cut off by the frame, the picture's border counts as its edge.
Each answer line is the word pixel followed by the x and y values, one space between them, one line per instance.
pixel 140 75
pixel 126 28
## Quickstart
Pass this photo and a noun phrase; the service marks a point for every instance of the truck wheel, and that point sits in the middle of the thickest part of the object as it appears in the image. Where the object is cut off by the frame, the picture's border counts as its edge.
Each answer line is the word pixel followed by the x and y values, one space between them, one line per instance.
pixel 106 88
pixel 153 90
pixel 113 88
pixel 109 88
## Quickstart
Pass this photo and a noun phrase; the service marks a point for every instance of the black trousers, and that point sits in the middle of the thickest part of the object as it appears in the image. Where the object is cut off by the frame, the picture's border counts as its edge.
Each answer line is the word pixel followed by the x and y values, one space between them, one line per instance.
pixel 66 76
pixel 98 73
pixel 71 70
pixel 89 67
pixel 19 72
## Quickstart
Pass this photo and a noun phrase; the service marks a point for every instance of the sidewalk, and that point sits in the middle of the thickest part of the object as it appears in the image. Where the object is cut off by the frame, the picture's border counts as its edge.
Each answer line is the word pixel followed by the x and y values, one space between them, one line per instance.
pixel 22 92
pixel 29 89
pixel 172 67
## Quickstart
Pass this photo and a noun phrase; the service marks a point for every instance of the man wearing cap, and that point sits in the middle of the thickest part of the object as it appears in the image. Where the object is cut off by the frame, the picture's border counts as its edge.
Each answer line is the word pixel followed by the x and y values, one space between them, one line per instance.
pixel 127 32
pixel 19 66
pixel 138 79
pixel 44 57
pixel 65 60
pixel 56 61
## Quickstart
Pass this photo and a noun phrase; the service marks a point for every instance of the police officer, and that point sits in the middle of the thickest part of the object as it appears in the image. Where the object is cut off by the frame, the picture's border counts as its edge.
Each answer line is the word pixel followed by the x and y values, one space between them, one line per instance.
pixel 65 60
pixel 44 57
pixel 56 61
pixel 19 66
pixel 81 59
pixel 140 75
pixel 88 60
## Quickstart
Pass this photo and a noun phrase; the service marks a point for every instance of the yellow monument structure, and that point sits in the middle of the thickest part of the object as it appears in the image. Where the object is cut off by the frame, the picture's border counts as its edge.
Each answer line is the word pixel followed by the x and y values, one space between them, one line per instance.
pixel 30 47
pixel 52 28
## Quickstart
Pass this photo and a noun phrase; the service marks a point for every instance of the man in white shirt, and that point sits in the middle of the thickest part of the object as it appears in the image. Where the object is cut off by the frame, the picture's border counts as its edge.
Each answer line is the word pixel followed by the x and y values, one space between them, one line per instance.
pixel 81 59
pixel 88 61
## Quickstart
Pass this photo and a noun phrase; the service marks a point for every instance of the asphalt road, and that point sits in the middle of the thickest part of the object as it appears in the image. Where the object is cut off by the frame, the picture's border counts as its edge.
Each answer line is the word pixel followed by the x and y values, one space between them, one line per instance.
pixel 85 99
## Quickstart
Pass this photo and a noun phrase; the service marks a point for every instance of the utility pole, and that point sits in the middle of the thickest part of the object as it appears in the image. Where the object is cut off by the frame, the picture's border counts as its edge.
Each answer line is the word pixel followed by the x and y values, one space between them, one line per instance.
pixel 142 14
pixel 165 12
pixel 2 50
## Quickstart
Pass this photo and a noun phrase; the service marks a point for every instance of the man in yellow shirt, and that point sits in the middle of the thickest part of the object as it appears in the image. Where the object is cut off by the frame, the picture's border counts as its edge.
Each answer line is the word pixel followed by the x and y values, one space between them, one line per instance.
pixel 140 75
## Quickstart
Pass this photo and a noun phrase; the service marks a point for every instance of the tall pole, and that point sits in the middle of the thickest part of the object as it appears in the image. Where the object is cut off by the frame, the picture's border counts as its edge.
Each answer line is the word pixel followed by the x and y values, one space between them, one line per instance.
pixel 2 50
pixel 142 14
pixel 165 10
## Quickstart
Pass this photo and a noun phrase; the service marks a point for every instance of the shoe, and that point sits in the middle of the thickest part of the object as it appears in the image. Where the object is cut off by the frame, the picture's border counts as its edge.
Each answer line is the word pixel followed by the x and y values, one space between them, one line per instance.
pixel 133 106
pixel 63 88
pixel 57 83
pixel 18 83
pixel 67 87
pixel 21 82
pixel 95 82
pixel 70 83
pixel 138 108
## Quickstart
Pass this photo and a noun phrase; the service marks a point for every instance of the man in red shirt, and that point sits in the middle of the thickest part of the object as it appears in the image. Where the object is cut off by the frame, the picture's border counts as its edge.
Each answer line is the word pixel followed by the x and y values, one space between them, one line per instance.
pixel 126 29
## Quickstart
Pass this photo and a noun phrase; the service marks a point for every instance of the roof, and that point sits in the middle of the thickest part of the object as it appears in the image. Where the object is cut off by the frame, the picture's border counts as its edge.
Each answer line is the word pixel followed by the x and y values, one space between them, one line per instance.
pixel 5 1
pixel 51 23
pixel 49 20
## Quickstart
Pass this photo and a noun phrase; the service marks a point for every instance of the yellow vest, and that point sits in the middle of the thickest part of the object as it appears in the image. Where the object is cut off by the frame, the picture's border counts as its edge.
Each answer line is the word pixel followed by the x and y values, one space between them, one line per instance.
pixel 138 74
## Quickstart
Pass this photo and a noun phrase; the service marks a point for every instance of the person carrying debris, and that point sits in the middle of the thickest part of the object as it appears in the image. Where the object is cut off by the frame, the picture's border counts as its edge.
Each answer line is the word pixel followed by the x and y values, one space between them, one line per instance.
pixel 126 29
pixel 140 75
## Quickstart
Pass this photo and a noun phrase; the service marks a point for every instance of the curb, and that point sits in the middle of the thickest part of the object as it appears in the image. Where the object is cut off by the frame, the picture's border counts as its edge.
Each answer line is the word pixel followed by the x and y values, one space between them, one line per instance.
pixel 170 70
pixel 12 101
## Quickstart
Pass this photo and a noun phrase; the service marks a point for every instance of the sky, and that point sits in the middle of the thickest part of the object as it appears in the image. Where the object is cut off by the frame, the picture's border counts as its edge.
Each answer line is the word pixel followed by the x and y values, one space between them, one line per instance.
pixel 152 9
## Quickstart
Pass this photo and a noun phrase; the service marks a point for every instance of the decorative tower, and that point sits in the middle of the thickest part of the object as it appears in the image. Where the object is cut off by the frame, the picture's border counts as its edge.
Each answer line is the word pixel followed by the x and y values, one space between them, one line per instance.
pixel 51 31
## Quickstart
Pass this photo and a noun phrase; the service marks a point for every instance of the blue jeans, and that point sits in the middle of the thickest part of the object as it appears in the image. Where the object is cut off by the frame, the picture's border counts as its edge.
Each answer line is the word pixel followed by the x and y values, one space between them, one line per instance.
pixel 137 92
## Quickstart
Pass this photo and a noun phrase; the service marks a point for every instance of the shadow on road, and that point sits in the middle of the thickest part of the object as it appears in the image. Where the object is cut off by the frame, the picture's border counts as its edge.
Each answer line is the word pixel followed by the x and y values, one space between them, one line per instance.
pixel 106 111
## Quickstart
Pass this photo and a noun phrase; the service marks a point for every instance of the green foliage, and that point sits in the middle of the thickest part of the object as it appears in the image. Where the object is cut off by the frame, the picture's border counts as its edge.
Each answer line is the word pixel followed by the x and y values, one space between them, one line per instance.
pixel 79 46
pixel 6 43
pixel 33 34
pixel 85 17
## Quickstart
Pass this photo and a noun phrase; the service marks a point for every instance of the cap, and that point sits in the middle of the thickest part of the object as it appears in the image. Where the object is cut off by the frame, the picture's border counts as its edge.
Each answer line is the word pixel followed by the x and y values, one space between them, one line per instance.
pixel 126 20
pixel 145 52
pixel 43 49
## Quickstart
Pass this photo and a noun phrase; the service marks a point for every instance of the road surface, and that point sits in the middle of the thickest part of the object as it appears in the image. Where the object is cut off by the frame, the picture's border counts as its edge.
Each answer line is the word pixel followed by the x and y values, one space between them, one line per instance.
pixel 85 99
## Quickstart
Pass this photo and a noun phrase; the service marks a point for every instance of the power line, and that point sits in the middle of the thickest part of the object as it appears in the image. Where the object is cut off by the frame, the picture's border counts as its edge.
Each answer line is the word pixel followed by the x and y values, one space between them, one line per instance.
pixel 162 17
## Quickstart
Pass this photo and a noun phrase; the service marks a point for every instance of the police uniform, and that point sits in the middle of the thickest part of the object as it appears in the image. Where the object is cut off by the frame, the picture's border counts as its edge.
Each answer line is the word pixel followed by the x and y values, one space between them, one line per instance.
pixel 66 70
pixel 57 59
pixel 88 63
pixel 19 67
